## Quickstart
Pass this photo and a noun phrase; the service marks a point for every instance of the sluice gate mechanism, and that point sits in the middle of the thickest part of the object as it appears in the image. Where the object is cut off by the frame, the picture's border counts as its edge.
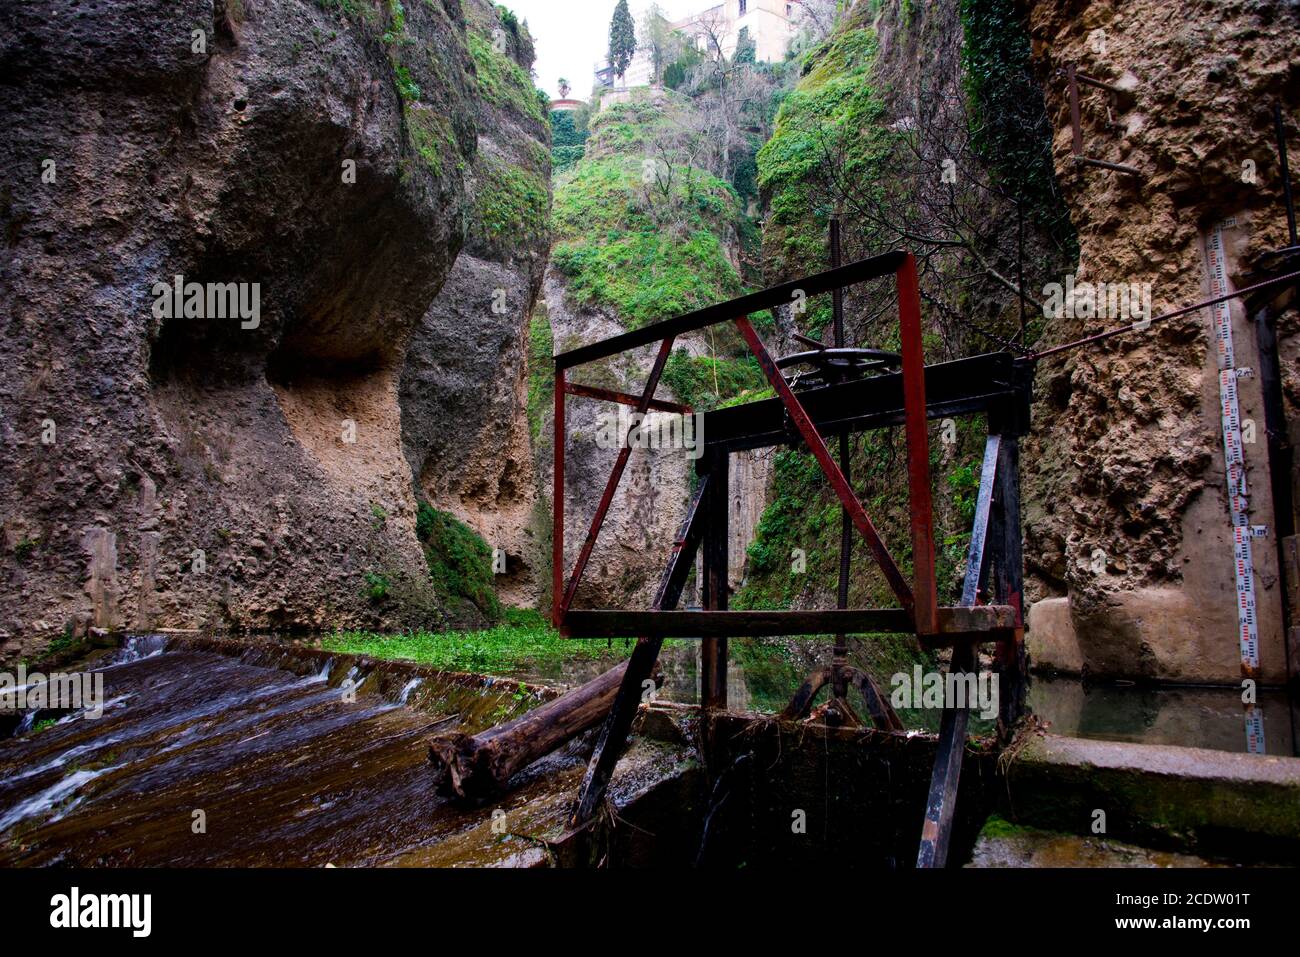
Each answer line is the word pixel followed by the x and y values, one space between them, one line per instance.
pixel 847 391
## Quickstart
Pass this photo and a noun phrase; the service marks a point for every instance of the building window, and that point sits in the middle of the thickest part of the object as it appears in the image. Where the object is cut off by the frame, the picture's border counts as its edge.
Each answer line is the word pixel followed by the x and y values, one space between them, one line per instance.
pixel 742 7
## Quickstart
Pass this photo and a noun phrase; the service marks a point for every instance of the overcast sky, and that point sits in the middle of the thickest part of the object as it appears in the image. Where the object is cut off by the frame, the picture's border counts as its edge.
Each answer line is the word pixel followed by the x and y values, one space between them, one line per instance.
pixel 572 35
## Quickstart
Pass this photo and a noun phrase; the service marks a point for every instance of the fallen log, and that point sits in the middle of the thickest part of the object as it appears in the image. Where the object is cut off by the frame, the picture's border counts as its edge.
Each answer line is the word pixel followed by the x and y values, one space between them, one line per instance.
pixel 476 766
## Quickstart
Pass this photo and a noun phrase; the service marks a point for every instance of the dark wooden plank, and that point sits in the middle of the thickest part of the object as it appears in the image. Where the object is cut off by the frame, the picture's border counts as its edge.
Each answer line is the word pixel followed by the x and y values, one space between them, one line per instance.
pixel 780 295
pixel 640 666
pixel 942 801
pixel 713 652
pixel 963 386
pixel 613 623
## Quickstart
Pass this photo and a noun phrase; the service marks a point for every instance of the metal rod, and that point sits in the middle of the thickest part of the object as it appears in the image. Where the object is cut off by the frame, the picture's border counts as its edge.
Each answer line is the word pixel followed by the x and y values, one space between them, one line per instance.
pixel 1099 84
pixel 818 448
pixel 871 268
pixel 917 431
pixel 609 395
pixel 1181 311
pixel 1076 127
pixel 620 464
pixel 1280 129
pixel 841 651
pixel 1102 164
pixel 557 506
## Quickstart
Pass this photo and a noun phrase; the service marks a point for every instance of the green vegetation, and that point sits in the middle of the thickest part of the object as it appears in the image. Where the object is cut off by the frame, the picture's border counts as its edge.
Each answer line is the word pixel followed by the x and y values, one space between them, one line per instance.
pixel 430 134
pixel 705 383
pixel 614 251
pixel 831 119
pixel 509 202
pixel 541 370
pixel 568 139
pixel 501 81
pixel 522 638
pixel 377 585
pixel 460 562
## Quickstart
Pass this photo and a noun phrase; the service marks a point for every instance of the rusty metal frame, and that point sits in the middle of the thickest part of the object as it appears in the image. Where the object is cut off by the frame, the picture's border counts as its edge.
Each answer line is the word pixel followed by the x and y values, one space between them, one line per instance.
pixel 918 600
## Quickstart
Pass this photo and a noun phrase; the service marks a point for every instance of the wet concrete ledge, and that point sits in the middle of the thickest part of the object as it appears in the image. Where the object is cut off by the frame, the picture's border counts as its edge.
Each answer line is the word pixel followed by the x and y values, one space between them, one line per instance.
pixel 1216 803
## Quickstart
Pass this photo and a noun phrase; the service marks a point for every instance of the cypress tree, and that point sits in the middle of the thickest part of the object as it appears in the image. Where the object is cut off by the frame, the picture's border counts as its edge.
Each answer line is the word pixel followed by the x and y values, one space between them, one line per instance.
pixel 622 39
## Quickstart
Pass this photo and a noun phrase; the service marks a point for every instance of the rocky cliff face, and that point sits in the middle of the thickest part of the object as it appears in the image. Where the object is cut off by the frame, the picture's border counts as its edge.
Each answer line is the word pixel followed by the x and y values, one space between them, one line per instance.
pixel 1127 524
pixel 464 388
pixel 225 468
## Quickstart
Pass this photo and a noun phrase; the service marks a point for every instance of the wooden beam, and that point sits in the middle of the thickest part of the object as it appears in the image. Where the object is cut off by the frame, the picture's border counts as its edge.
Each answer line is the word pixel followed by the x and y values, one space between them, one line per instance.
pixel 614 623
pixel 640 667
pixel 713 652
pixel 942 801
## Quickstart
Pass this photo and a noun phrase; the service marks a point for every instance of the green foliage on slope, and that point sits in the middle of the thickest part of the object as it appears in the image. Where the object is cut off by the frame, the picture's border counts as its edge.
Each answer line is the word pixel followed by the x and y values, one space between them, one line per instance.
pixel 614 248
pixel 832 119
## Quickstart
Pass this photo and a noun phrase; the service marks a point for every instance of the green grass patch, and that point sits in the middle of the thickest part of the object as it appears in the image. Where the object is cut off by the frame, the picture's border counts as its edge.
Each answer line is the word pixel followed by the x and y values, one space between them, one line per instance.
pixel 523 639
pixel 613 250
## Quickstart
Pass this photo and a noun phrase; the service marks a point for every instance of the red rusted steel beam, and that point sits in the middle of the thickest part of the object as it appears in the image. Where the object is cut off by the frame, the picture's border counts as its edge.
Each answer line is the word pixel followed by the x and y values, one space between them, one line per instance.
pixel 828 466
pixel 915 426
pixel 609 395
pixel 557 505
pixel 780 295
pixel 612 485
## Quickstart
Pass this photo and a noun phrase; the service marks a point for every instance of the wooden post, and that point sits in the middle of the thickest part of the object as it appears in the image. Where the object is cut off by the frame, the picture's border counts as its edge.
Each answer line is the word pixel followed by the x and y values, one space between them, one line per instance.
pixel 713 651
pixel 639 667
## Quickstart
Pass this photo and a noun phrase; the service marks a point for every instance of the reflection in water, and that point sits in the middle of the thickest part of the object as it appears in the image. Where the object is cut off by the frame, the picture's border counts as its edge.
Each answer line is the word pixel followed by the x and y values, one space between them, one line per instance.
pixel 1194 717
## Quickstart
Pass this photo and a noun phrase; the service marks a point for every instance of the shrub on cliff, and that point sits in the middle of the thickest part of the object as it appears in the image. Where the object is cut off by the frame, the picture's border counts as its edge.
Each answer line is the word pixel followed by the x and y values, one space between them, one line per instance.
pixel 460 561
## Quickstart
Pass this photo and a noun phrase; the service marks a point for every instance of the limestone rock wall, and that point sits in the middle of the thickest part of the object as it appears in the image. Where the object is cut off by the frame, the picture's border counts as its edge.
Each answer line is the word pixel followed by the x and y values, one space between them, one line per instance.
pixel 1128 537
pixel 210 471
pixel 464 386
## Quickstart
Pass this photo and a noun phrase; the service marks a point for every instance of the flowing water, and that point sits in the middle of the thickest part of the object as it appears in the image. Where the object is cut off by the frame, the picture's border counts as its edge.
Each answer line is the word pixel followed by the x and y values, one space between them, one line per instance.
pixel 223 754
pixel 201 758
